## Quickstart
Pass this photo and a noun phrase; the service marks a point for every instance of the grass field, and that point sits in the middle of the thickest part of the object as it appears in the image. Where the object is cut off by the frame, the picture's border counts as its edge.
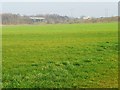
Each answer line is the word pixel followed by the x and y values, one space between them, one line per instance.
pixel 61 55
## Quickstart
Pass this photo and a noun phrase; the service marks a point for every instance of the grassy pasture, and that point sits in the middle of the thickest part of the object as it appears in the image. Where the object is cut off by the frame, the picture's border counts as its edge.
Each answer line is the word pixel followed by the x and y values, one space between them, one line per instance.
pixel 61 55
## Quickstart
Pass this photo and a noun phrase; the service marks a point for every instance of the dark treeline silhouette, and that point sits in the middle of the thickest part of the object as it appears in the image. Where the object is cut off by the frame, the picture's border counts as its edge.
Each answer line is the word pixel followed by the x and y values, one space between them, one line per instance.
pixel 9 19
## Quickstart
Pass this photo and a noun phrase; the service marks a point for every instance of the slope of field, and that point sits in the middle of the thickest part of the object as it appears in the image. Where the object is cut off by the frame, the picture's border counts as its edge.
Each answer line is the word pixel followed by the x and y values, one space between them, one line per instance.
pixel 61 55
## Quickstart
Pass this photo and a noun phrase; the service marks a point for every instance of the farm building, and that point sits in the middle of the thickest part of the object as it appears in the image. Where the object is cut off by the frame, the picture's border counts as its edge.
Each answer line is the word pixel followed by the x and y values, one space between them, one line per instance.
pixel 87 18
pixel 37 19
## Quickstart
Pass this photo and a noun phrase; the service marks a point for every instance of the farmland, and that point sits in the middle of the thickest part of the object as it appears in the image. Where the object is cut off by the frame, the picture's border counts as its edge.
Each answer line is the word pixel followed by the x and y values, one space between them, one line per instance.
pixel 60 55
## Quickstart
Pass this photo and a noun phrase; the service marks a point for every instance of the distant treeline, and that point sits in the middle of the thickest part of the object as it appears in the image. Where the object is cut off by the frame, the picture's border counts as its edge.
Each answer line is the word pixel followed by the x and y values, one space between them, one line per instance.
pixel 8 19
pixel 15 19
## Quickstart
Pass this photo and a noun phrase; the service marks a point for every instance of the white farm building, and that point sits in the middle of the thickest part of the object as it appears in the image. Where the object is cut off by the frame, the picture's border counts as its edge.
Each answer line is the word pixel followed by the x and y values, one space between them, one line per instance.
pixel 87 18
pixel 37 19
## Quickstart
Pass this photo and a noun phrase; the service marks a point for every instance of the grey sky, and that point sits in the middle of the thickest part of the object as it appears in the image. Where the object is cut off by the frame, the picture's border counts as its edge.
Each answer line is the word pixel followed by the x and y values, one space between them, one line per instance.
pixel 59 0
pixel 74 9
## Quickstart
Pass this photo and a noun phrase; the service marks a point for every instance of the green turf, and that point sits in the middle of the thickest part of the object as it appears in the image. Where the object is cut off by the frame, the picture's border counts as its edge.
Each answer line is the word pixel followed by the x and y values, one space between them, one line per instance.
pixel 61 55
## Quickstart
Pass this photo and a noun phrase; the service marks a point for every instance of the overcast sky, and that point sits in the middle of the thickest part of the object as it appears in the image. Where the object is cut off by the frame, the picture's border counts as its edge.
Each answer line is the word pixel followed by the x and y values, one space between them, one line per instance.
pixel 73 9
pixel 59 0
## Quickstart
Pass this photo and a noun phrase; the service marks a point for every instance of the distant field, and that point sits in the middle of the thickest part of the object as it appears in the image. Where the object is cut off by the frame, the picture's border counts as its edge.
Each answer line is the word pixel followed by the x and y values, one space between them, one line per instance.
pixel 61 55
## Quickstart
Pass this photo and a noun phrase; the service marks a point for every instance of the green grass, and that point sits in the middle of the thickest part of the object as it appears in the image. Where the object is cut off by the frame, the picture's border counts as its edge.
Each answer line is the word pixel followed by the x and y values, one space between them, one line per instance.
pixel 61 55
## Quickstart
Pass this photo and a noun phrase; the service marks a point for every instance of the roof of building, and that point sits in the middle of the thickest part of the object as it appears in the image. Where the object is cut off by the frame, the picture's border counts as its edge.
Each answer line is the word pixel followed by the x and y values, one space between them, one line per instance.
pixel 37 18
pixel 87 17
